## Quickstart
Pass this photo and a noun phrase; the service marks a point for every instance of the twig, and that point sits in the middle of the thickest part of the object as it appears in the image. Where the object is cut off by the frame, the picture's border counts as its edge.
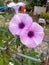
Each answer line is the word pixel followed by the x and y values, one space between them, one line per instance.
pixel 28 57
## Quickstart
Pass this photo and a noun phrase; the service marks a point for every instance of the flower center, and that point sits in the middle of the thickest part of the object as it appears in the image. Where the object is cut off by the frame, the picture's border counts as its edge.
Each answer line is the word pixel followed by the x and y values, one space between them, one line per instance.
pixel 30 34
pixel 21 25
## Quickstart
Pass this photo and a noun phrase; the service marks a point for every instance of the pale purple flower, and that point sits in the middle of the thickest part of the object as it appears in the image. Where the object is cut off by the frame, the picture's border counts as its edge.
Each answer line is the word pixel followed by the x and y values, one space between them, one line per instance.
pixel 15 5
pixel 21 4
pixel 19 23
pixel 33 36
pixel 11 4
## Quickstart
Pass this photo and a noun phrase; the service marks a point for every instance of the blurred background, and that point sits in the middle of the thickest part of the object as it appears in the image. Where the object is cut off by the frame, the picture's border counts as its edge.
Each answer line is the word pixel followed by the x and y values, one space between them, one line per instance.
pixel 39 11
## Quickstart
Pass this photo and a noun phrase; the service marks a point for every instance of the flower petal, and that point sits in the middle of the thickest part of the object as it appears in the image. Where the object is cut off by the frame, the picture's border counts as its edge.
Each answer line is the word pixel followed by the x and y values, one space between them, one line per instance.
pixel 36 27
pixel 17 20
pixel 36 39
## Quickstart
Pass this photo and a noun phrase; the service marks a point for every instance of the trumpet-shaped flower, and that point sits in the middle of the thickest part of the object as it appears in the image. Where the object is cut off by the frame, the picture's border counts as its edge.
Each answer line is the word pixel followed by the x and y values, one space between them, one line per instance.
pixel 33 36
pixel 15 5
pixel 11 4
pixel 19 23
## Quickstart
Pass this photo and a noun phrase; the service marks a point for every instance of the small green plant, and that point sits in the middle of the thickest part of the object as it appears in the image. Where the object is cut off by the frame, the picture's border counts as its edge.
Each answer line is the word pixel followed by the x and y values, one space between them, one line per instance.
pixel 45 15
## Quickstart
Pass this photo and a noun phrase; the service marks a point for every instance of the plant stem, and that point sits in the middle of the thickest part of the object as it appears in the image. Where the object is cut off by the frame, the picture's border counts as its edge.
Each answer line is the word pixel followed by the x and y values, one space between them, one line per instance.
pixel 28 57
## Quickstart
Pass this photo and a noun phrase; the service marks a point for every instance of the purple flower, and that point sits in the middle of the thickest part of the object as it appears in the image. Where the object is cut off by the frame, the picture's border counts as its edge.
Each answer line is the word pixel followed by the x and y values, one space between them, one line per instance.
pixel 11 4
pixel 33 36
pixel 21 4
pixel 19 23
pixel 15 5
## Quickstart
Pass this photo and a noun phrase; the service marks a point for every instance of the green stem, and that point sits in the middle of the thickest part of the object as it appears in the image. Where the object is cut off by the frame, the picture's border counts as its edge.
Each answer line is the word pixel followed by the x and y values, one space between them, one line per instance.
pixel 22 53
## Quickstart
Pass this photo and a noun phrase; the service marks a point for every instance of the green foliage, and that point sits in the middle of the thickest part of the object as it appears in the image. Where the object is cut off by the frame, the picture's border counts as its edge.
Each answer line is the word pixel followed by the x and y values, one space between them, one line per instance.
pixel 1 2
pixel 6 36
pixel 29 5
pixel 15 0
pixel 37 2
pixel 32 54
pixel 45 15
pixel 4 58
